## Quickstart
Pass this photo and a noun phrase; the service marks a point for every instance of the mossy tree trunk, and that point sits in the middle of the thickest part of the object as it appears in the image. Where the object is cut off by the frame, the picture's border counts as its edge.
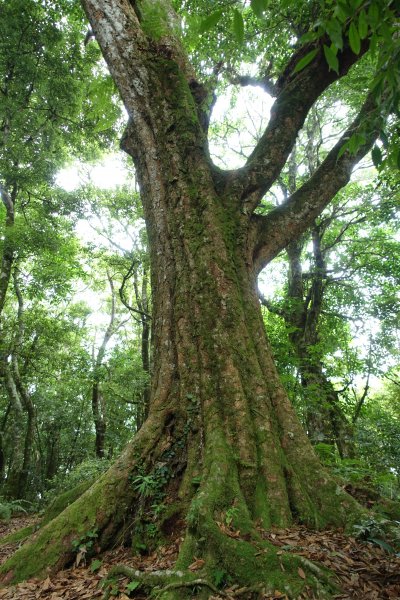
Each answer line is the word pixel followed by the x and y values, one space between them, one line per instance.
pixel 221 433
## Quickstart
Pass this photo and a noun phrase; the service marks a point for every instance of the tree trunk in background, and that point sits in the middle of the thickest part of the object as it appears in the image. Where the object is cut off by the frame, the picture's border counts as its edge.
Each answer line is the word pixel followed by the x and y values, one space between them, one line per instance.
pixel 8 253
pixel 26 400
pixel 52 458
pixel 12 487
pixel 99 418
pixel 98 401
pixel 325 420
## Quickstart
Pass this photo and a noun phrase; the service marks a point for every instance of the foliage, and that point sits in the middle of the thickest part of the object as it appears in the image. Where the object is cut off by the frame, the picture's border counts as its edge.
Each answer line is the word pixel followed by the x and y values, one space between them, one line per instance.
pixel 381 532
pixel 85 471
pixel 9 508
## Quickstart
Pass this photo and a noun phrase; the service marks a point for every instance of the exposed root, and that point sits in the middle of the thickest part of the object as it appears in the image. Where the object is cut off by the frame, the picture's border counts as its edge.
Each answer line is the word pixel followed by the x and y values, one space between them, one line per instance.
pixel 155 578
pixel 313 568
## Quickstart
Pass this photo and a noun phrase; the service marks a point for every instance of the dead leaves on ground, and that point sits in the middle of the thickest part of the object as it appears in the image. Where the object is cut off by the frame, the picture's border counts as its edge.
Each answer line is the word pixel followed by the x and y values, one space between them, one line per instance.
pixel 363 571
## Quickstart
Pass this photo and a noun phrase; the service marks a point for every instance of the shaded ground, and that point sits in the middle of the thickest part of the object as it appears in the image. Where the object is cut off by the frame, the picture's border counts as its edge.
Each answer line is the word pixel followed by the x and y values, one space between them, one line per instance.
pixel 363 571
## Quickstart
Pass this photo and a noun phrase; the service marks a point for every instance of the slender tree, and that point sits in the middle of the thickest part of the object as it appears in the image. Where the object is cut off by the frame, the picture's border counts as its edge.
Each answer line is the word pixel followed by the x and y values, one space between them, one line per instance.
pixel 221 434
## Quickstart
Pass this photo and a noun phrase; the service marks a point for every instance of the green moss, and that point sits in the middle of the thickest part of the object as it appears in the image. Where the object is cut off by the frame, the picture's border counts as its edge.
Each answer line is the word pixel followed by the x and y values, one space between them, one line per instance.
pixel 48 545
pixel 18 536
pixel 51 547
pixel 153 19
pixel 260 507
pixel 176 92
pixel 63 500
pixel 389 508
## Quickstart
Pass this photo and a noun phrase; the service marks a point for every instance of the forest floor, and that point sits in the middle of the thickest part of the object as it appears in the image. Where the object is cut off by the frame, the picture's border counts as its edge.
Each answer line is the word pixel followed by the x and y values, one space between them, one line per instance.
pixel 363 571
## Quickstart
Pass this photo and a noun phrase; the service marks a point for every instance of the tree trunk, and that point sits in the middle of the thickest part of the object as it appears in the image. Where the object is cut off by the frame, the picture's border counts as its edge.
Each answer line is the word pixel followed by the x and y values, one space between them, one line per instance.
pixel 98 401
pixel 26 399
pixel 16 460
pixel 99 418
pixel 218 411
pixel 51 459
pixel 221 434
pixel 325 420
pixel 8 253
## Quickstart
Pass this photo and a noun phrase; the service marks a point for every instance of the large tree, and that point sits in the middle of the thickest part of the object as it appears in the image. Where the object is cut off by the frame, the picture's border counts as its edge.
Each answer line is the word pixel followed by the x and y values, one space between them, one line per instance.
pixel 221 437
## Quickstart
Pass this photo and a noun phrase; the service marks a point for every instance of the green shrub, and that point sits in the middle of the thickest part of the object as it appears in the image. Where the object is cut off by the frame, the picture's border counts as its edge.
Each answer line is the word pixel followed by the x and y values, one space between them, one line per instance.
pixel 9 508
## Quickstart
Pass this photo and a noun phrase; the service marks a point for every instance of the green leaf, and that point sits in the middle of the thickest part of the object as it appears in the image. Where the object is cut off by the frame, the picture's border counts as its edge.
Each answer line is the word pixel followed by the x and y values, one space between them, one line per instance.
pixel 210 21
pixel 397 158
pixel 305 60
pixel 258 7
pixel 219 576
pixel 95 566
pixel 376 156
pixel 355 142
pixel 310 36
pixel 339 13
pixel 354 39
pixel 382 544
pixel 343 149
pixel 384 138
pixel 362 25
pixel 331 59
pixel 133 585
pixel 334 30
pixel 373 15
pixel 238 26
pixel 345 8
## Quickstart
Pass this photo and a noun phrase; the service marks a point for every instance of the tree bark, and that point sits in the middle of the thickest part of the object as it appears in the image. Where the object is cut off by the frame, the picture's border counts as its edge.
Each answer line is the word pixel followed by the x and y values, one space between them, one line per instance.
pixel 221 433
pixel 26 399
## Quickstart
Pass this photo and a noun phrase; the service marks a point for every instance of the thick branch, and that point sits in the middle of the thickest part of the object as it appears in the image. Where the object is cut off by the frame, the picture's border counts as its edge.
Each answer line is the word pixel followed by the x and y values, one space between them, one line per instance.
pixel 286 222
pixel 297 94
pixel 265 82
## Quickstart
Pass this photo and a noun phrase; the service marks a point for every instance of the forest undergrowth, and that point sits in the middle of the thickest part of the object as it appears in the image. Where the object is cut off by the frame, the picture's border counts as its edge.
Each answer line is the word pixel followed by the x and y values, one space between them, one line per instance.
pixel 361 569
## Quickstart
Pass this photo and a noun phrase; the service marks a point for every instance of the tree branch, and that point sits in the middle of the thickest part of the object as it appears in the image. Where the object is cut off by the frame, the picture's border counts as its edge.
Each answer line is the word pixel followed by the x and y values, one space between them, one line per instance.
pixel 273 308
pixel 296 92
pixel 286 222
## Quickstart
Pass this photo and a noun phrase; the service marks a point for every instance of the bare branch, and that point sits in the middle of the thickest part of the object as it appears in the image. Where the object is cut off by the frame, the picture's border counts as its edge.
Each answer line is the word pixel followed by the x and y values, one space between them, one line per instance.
pixel 130 273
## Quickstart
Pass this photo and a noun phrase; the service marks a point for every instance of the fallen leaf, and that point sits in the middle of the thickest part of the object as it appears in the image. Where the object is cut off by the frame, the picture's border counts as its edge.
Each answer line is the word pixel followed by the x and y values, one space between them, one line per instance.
pixel 197 564
pixel 301 573
pixel 80 557
pixel 47 585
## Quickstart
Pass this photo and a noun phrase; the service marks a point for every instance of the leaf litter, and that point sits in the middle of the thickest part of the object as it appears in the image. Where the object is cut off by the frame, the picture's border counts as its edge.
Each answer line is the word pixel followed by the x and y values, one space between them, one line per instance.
pixel 362 571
